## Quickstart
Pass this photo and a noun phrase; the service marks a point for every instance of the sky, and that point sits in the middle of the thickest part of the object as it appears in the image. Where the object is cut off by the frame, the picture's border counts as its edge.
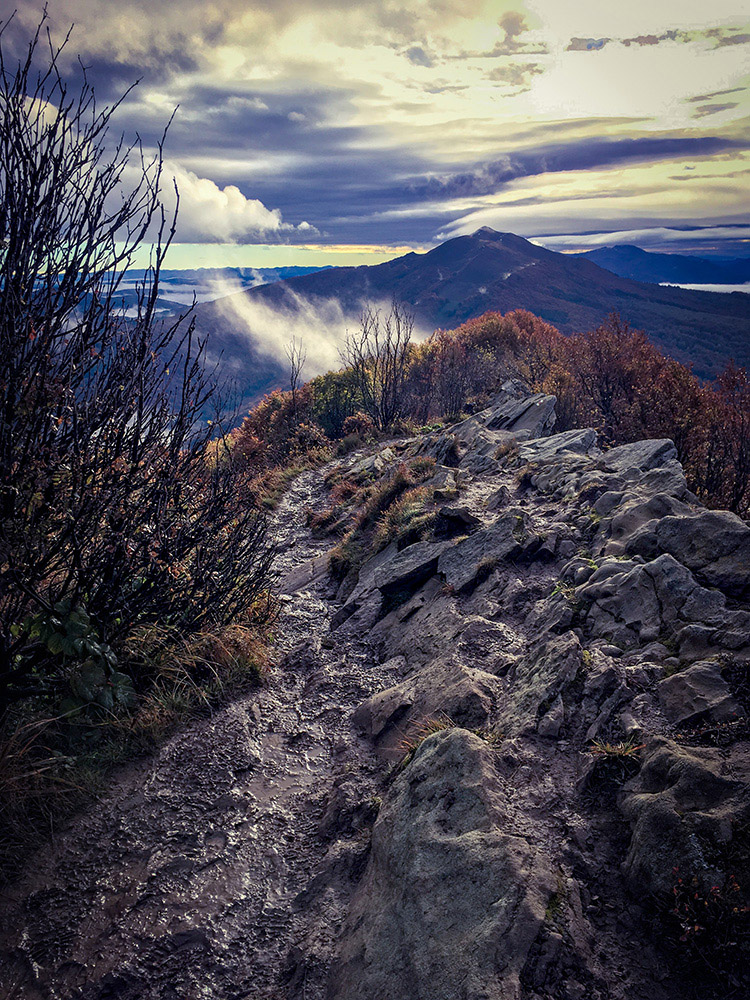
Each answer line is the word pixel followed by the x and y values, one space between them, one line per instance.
pixel 351 131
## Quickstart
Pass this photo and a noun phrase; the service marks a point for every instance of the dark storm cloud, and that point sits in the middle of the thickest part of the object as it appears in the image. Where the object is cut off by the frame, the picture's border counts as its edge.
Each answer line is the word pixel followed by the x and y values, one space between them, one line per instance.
pixel 346 195
pixel 589 154
pixel 714 109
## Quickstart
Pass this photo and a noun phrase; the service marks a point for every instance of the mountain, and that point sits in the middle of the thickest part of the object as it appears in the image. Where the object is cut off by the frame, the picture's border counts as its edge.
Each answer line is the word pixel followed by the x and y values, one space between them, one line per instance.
pixel 463 278
pixel 644 265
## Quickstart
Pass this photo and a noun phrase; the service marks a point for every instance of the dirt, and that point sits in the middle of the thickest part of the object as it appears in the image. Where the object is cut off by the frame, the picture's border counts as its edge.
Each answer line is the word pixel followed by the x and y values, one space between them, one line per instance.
pixel 191 878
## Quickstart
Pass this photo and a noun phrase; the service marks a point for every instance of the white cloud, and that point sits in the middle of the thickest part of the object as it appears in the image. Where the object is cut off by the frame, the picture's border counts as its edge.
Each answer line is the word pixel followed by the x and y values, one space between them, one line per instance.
pixel 212 214
pixel 320 325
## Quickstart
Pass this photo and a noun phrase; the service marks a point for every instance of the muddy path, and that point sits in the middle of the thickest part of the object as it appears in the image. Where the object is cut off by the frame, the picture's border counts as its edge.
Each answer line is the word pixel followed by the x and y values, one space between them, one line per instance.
pixel 224 867
pixel 201 869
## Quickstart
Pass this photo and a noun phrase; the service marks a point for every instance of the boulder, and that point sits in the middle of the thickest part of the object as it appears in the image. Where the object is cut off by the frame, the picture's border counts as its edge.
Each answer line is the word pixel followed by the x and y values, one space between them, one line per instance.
pixel 639 457
pixel 637 603
pixel 410 567
pixel 532 417
pixel 714 544
pixel 454 521
pixel 462 562
pixel 536 683
pixel 684 806
pixel 373 464
pixel 697 693
pixel 451 901
pixel 444 687
pixel 499 499
pixel 580 442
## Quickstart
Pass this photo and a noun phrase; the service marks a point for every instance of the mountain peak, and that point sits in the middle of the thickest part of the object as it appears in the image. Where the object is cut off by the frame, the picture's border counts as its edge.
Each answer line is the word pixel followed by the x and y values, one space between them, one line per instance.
pixel 488 233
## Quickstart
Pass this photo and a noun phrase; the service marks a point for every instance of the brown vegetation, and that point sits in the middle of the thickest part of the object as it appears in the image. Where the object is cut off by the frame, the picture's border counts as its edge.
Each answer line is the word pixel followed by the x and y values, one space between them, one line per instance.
pixel 611 378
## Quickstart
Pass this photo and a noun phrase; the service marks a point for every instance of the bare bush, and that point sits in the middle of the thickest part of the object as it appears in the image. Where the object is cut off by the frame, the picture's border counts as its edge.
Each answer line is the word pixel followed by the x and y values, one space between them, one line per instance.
pixel 378 355
pixel 117 505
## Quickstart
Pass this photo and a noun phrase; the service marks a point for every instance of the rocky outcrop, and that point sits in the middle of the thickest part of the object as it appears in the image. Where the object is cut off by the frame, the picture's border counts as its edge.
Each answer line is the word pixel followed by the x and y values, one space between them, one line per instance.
pixel 713 544
pixel 590 598
pixel 452 901
pixel 472 773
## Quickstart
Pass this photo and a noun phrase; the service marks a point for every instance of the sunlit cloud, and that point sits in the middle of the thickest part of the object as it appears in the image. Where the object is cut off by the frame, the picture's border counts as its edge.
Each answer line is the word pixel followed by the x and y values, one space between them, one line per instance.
pixel 375 123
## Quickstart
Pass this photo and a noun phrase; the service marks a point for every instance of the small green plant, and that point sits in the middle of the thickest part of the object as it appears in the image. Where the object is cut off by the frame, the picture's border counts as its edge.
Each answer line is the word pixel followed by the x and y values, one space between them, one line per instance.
pixel 519 529
pixel 616 762
pixel 554 914
pixel 585 555
pixel 566 590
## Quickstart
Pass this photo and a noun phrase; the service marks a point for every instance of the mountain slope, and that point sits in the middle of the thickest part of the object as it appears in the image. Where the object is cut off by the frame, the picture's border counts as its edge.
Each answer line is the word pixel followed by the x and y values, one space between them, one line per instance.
pixel 644 265
pixel 470 275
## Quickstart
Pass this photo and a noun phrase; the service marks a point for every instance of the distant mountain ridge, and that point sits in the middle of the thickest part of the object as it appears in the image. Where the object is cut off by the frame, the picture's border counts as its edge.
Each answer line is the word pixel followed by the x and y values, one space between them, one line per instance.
pixel 487 270
pixel 647 265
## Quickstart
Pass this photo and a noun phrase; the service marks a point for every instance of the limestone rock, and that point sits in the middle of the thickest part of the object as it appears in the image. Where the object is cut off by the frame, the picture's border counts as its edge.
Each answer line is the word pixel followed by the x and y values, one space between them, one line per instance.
pixel 536 683
pixel 639 602
pixel 632 514
pixel 454 521
pixel 640 456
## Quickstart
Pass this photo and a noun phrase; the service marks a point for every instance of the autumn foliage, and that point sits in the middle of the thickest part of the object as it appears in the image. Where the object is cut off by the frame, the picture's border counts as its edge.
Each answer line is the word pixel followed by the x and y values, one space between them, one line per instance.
pixel 611 378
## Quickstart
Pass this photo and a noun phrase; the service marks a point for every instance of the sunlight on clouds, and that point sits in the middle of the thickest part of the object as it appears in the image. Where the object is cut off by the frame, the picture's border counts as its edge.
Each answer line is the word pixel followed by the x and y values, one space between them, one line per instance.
pixel 221 215
pixel 351 115
pixel 640 191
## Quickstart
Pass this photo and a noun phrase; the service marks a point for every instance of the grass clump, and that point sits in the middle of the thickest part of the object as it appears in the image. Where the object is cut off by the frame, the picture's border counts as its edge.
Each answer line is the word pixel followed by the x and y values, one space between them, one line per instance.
pixel 397 507
pixel 407 520
pixel 616 762
pixel 53 762
pixel 422 730
pixel 508 450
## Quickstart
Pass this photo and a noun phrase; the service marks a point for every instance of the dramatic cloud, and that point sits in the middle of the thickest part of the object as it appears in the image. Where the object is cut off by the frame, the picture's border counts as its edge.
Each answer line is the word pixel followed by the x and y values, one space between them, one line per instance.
pixel 376 122
pixel 211 214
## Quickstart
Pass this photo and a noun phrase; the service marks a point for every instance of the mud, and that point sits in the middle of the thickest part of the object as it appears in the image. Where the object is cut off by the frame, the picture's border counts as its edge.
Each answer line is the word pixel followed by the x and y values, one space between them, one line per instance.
pixel 192 878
